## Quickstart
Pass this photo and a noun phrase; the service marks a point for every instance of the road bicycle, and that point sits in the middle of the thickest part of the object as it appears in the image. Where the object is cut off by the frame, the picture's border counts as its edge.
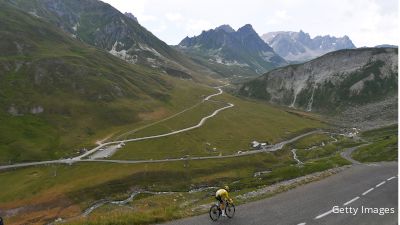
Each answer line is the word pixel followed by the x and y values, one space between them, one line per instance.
pixel 216 211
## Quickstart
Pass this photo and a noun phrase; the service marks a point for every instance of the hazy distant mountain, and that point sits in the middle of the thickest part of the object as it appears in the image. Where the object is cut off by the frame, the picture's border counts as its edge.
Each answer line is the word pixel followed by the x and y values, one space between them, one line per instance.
pixel 386 46
pixel 242 50
pixel 299 46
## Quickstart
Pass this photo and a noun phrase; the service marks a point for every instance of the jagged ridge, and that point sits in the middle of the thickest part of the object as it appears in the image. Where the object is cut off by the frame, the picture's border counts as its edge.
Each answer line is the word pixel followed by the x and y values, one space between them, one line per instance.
pixel 299 46
pixel 242 49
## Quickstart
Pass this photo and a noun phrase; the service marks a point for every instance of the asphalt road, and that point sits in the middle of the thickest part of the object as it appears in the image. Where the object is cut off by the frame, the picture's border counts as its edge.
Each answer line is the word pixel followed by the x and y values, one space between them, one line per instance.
pixel 347 153
pixel 102 145
pixel 373 185
pixel 272 148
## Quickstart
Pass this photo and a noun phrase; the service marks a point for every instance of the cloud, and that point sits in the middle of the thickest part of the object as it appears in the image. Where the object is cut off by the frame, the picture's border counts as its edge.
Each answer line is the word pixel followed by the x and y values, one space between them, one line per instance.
pixel 161 28
pixel 195 27
pixel 280 16
pixel 174 17
pixel 366 22
pixel 146 18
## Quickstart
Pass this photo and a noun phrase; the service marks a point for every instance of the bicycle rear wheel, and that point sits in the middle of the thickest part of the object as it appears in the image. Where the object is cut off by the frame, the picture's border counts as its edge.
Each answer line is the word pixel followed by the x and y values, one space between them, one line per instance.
pixel 215 213
pixel 230 210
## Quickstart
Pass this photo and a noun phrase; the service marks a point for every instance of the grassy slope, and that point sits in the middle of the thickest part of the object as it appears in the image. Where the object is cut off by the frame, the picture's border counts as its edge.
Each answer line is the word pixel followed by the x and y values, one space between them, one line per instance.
pixel 232 130
pixel 312 140
pixel 383 146
pixel 86 93
pixel 96 22
pixel 222 69
pixel 187 119
pixel 320 146
pixel 74 188
pixel 47 192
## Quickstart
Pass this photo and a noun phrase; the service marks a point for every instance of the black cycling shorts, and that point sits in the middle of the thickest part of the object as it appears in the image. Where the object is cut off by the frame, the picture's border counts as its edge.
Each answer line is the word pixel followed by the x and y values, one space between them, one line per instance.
pixel 219 199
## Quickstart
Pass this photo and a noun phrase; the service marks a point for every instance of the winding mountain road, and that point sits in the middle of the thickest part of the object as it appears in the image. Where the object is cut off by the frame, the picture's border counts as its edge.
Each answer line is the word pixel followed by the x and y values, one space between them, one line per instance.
pixel 272 148
pixel 347 153
pixel 80 158
pixel 361 186
pixel 92 151
pixel 202 121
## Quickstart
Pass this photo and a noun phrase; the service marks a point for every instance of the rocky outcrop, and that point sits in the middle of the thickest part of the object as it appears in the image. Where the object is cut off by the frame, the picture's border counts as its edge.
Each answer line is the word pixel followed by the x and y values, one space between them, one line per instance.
pixel 333 83
pixel 131 16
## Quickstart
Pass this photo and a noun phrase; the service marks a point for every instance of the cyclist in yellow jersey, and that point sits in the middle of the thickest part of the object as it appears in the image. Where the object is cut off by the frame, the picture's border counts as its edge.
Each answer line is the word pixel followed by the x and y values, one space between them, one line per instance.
pixel 222 196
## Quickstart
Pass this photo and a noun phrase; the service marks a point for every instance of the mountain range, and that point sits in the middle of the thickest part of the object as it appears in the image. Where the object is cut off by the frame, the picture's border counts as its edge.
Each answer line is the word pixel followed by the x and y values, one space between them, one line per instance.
pixel 60 82
pixel 80 80
pixel 231 52
pixel 99 24
pixel 299 46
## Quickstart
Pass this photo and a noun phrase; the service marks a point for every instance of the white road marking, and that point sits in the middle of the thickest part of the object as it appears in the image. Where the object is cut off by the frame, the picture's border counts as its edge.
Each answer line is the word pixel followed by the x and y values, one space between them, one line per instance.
pixel 353 200
pixel 368 191
pixel 323 214
pixel 301 224
pixel 381 183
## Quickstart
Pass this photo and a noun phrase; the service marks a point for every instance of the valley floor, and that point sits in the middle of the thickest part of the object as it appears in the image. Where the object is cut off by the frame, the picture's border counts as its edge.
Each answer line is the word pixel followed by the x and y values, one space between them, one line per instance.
pixel 173 176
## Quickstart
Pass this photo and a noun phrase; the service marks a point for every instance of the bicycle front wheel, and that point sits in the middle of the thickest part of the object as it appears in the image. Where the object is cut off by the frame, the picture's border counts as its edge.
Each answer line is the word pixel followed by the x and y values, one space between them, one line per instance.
pixel 214 213
pixel 230 210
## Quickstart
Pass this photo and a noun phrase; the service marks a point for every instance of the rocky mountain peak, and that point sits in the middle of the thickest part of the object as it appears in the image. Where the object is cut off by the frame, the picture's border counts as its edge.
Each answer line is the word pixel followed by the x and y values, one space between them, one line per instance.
pixel 248 28
pixel 131 16
pixel 299 46
pixel 243 48
pixel 227 28
pixel 302 36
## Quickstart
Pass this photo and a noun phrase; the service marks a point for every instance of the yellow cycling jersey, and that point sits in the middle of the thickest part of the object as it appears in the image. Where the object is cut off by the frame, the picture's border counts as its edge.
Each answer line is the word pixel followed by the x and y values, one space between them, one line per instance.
pixel 222 193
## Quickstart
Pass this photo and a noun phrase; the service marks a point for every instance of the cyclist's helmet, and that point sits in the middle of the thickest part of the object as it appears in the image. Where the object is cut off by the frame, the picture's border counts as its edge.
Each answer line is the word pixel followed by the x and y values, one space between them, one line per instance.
pixel 226 188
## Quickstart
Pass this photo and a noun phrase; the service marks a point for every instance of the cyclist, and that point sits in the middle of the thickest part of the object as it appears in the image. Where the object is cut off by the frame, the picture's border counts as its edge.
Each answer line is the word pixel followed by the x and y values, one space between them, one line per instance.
pixel 222 196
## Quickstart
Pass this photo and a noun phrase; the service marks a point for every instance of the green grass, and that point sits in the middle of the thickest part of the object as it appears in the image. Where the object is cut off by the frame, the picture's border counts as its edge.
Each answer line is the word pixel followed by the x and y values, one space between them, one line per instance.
pixel 290 172
pixel 380 133
pixel 52 136
pixel 327 150
pixel 383 146
pixel 86 93
pixel 78 186
pixel 322 151
pixel 230 131
pixel 161 208
pixel 312 140
pixel 187 119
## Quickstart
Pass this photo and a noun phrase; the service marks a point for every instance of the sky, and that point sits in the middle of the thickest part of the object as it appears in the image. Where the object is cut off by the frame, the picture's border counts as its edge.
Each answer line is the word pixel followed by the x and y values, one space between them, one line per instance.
pixel 366 22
